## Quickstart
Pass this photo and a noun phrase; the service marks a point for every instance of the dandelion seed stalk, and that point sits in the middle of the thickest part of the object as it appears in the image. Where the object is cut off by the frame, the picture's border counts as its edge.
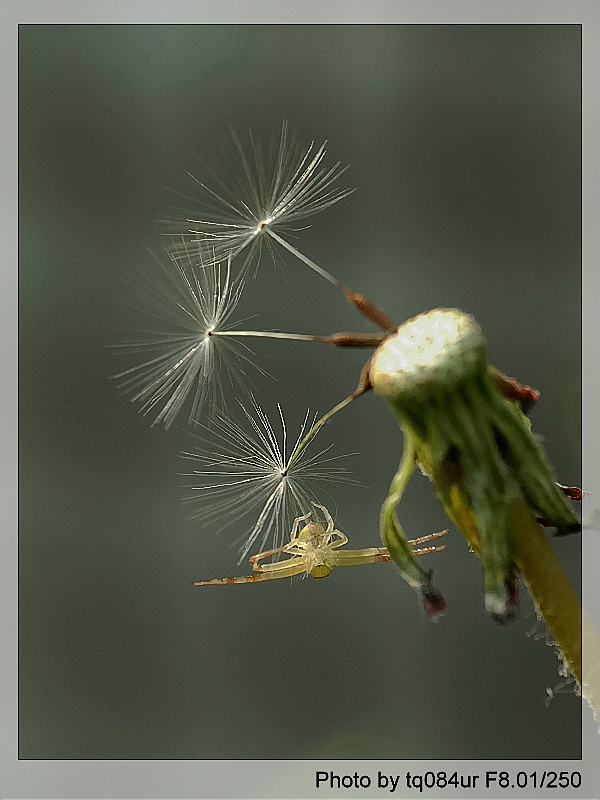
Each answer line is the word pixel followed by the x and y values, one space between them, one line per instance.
pixel 363 386
pixel 362 303
pixel 309 262
pixel 335 339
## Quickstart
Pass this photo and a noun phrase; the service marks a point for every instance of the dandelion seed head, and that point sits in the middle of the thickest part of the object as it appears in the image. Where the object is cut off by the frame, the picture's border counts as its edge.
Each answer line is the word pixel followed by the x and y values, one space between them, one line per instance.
pixel 248 466
pixel 254 190
pixel 188 301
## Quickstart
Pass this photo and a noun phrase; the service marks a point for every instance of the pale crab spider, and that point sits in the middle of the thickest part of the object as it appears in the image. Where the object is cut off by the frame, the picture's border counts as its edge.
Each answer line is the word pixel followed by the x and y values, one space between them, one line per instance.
pixel 315 552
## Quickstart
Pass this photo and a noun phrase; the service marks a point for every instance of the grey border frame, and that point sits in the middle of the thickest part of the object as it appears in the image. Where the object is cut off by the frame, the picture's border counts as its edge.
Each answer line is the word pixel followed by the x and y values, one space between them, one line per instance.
pixel 266 779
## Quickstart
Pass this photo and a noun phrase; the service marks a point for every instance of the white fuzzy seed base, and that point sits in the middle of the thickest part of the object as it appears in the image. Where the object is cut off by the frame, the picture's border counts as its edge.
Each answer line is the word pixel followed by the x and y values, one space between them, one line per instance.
pixel 440 347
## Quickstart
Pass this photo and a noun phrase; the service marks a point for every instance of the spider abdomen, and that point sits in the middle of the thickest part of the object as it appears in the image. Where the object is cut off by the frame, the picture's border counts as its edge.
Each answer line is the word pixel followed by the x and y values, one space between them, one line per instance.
pixel 320 571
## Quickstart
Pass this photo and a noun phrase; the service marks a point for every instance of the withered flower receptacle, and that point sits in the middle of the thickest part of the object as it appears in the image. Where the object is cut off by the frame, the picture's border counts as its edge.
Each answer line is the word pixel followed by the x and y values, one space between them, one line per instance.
pixel 474 444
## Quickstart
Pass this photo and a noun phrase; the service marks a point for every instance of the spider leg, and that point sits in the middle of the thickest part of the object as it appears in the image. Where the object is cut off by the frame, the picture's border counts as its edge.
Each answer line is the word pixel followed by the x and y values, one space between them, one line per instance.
pixel 259 556
pixel 282 569
pixel 296 525
pixel 294 548
pixel 328 517
pixel 223 581
pixel 342 539
pixel 420 551
pixel 369 555
pixel 372 555
pixel 427 538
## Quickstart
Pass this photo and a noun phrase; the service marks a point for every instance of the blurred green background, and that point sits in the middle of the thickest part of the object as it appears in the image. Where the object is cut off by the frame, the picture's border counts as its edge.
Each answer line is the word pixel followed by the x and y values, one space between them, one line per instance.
pixel 465 148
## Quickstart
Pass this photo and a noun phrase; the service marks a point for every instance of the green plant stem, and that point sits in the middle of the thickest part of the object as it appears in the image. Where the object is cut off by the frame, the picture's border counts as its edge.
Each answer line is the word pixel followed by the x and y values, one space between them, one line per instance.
pixel 556 601
pixel 590 664
pixel 554 596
